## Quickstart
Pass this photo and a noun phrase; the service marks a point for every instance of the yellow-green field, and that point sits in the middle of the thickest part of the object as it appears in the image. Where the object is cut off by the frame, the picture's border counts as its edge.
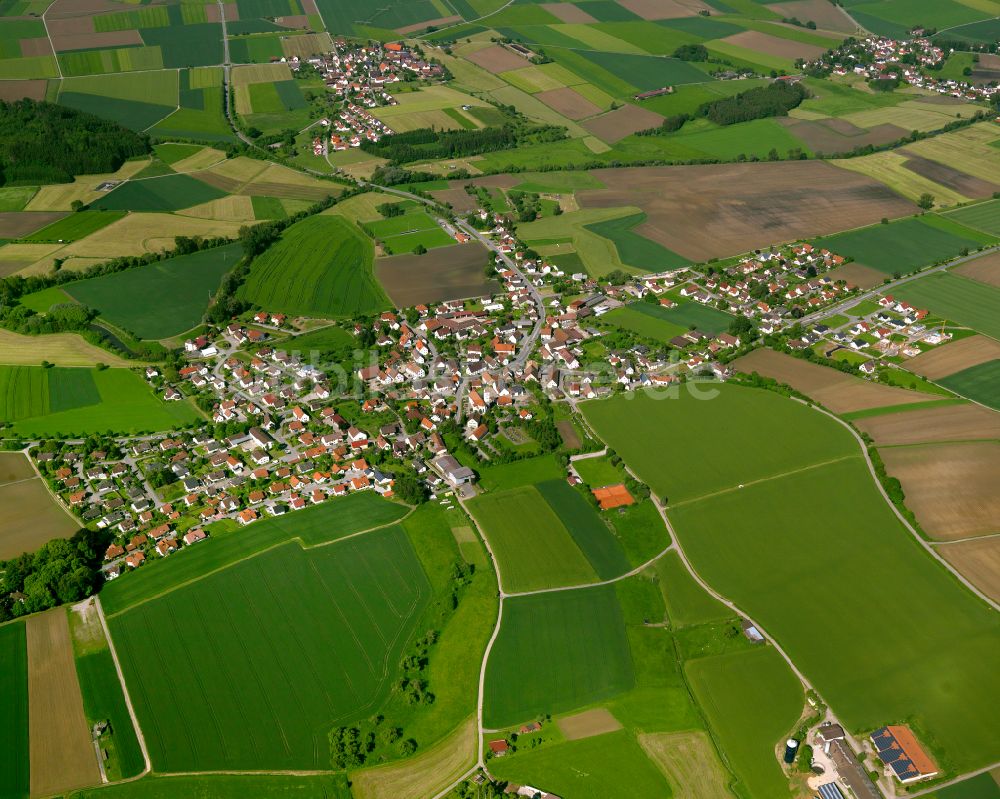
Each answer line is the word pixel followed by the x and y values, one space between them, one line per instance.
pixel 888 168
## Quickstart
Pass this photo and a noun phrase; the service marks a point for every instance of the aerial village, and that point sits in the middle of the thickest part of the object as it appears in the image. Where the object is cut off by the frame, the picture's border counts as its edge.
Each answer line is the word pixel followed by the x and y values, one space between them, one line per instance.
pixel 289 431
pixel 910 61
pixel 362 77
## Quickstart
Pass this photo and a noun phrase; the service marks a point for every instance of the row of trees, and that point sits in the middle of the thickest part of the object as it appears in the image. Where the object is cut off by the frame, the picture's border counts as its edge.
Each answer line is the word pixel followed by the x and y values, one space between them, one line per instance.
pixel 46 143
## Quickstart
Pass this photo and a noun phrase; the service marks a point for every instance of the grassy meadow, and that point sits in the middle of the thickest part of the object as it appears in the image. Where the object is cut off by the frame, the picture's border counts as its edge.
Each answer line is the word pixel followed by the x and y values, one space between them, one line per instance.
pixel 958 299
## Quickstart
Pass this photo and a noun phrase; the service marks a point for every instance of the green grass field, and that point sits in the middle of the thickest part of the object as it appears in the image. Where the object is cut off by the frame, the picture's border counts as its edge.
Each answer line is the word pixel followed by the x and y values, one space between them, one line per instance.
pixel 580 655
pixel 958 299
pixel 319 524
pixel 597 472
pixel 591 534
pixel 686 602
pixel 76 226
pixel 609 766
pixel 272 669
pixel 982 786
pixel 401 234
pixel 901 246
pixel 322 266
pixel 751 700
pixel 636 250
pixel 161 299
pixel 520 473
pixel 755 545
pixel 657 322
pixel 532 546
pixel 645 429
pixel 103 700
pixel 14 781
pixel 167 193
pixel 980 383
pixel 981 216
pixel 69 402
pixel 228 786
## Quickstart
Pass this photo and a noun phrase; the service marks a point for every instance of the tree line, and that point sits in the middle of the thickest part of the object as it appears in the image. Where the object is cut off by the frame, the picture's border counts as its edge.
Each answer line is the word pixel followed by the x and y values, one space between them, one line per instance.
pixel 45 143
pixel 62 571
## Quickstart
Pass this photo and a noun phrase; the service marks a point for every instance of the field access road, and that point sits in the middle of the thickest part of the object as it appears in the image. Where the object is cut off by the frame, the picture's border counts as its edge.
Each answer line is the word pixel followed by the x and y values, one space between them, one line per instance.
pixel 840 307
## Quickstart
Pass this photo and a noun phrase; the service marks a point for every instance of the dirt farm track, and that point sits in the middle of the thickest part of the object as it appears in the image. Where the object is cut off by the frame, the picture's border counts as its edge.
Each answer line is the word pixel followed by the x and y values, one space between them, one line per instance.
pixel 714 211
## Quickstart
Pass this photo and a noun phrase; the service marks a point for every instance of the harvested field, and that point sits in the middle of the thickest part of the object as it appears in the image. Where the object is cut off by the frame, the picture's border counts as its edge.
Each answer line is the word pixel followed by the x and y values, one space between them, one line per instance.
pixel 422 776
pixel 306 46
pixel 689 762
pixel 951 488
pixel 664 9
pixel 858 275
pixel 61 349
pixel 978 561
pixel 449 273
pixel 139 233
pixel 588 724
pixel 458 198
pixel 261 73
pixel 19 89
pixel 91 41
pixel 31 516
pixel 839 392
pixel 927 425
pixel 889 168
pixel 497 59
pixel 17 224
pixel 62 756
pixel 719 210
pixel 826 15
pixel 567 12
pixel 949 177
pixel 839 135
pixel 15 467
pixel 236 208
pixel 985 269
pixel 80 8
pixel 570 438
pixel 773 45
pixel 572 104
pixel 616 125
pixel 954 357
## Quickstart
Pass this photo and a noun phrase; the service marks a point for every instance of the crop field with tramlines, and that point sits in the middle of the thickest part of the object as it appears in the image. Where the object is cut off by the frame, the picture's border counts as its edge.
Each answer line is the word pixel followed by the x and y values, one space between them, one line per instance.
pixel 321 267
pixel 272 653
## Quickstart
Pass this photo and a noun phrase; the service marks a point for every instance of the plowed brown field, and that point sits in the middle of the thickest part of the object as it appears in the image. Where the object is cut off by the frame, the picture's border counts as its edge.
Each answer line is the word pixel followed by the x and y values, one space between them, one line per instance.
pixel 954 357
pixel 951 488
pixel 839 392
pixel 718 210
pixel 930 425
pixel 978 561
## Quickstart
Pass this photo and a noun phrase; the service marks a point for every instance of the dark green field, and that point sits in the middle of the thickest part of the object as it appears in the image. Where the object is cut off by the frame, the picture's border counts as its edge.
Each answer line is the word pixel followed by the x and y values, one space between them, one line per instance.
pixel 315 525
pixel 902 246
pixel 655 321
pixel 980 383
pixel 13 712
pixel 167 193
pixel 68 402
pixel 161 299
pixel 322 267
pixel 277 650
pixel 647 72
pixel 103 700
pixel 635 250
pixel 76 226
pixel 958 299
pixel 590 533
pixel 580 654
pixel 228 786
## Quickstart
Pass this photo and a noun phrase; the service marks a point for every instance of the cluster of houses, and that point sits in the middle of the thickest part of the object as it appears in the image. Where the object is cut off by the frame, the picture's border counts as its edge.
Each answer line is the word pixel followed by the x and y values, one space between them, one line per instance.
pixel 892 333
pixel 361 76
pixel 908 60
